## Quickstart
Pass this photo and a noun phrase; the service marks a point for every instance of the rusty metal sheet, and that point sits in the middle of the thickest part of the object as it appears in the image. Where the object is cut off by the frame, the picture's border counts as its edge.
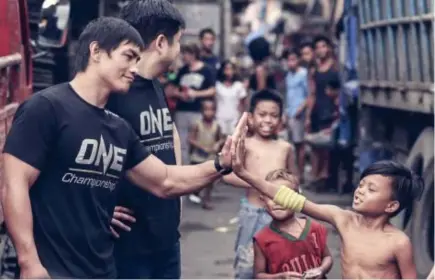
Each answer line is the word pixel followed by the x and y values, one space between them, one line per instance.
pixel 396 53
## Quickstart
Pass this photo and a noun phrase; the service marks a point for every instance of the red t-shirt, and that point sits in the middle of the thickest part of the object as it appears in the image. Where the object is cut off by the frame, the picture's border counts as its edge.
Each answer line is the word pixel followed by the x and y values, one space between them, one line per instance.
pixel 284 252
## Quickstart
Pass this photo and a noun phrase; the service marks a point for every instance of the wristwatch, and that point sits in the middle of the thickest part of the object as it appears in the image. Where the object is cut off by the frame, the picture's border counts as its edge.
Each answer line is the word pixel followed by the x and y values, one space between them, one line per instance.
pixel 219 168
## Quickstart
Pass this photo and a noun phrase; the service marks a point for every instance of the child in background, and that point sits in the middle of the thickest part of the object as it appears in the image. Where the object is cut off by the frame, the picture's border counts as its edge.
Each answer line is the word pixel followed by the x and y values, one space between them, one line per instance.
pixel 290 247
pixel 296 98
pixel 264 153
pixel 206 140
pixel 230 97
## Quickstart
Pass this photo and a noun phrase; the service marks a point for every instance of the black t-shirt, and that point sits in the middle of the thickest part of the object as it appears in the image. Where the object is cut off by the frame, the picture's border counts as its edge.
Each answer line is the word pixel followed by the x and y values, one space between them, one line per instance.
pixel 81 152
pixel 198 80
pixel 157 220
pixel 324 107
pixel 213 63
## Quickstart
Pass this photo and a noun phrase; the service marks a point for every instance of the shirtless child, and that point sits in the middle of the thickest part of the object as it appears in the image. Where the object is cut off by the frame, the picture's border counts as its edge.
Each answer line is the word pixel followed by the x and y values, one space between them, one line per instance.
pixel 263 154
pixel 371 246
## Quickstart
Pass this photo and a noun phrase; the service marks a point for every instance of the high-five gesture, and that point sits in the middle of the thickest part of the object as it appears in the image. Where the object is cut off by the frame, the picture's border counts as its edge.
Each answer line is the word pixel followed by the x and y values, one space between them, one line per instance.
pixel 238 152
pixel 225 158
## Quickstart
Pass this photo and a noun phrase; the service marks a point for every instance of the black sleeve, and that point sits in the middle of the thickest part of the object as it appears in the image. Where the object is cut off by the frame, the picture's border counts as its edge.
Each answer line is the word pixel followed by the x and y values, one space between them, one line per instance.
pixel 136 151
pixel 33 132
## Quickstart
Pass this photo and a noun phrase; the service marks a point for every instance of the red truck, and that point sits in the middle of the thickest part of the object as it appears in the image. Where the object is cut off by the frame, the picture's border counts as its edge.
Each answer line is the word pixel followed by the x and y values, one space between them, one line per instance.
pixel 15 61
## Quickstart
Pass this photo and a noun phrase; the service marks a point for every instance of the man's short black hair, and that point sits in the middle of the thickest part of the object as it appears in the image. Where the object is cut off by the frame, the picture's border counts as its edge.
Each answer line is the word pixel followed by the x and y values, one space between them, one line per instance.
pixel 292 51
pixel 406 185
pixel 206 31
pixel 152 18
pixel 322 38
pixel 259 49
pixel 109 33
pixel 266 95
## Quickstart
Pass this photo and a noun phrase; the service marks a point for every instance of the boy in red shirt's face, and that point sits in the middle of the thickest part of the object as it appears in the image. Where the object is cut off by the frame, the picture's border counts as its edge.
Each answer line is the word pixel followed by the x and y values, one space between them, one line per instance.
pixel 290 247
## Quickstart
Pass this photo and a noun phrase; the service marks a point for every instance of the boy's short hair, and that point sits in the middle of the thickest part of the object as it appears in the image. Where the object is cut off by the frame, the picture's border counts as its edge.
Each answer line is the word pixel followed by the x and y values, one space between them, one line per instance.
pixel 292 51
pixel 191 48
pixel 259 49
pixel 109 33
pixel 152 18
pixel 206 31
pixel 305 44
pixel 322 38
pixel 266 95
pixel 208 99
pixel 334 83
pixel 282 174
pixel 406 185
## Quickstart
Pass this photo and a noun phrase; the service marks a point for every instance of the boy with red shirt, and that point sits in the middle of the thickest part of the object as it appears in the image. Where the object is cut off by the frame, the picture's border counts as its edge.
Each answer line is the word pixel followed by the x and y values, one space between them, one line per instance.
pixel 290 247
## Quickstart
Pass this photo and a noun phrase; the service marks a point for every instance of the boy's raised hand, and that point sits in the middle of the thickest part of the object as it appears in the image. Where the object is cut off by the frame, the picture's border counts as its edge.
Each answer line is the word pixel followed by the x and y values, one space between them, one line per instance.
pixel 230 144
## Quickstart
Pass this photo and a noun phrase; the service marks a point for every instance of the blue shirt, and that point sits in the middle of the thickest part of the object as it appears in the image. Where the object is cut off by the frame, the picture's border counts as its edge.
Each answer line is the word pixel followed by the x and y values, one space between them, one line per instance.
pixel 297 90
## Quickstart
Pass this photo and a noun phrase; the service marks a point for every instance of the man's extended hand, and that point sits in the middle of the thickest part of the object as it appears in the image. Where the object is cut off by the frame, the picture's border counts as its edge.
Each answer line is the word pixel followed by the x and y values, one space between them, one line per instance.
pixel 225 159
pixel 120 215
pixel 238 154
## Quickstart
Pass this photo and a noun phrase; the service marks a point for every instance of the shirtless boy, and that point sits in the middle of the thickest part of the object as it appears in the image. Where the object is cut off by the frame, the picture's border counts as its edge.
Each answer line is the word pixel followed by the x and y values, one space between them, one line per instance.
pixel 264 154
pixel 371 246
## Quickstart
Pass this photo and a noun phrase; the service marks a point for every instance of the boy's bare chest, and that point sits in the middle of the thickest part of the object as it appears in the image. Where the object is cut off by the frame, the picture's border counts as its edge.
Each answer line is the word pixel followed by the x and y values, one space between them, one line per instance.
pixel 367 254
pixel 266 159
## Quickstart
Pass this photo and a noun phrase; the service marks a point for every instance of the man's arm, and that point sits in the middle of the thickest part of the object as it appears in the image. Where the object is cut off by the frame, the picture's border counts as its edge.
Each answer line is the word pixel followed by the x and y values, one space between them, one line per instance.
pixel 35 119
pixel 164 180
pixel 19 177
pixel 177 145
pixel 210 92
pixel 171 180
pixel 405 258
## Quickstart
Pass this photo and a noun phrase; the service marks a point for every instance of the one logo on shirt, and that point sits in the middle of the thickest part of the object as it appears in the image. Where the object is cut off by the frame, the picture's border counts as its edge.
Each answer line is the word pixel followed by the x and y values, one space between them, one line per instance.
pixel 156 130
pixel 97 153
pixel 93 152
pixel 153 121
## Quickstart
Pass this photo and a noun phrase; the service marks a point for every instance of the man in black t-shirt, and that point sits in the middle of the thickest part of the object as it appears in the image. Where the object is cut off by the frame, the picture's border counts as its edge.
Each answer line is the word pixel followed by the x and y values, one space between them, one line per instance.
pixel 65 154
pixel 323 110
pixel 207 39
pixel 150 248
pixel 196 82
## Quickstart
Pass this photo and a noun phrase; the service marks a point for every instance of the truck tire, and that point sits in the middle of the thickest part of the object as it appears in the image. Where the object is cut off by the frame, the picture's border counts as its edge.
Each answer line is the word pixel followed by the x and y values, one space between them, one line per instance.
pixel 421 227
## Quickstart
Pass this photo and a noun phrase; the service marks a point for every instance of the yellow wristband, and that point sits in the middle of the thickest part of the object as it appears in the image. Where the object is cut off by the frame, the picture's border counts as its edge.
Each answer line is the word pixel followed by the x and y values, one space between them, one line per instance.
pixel 290 199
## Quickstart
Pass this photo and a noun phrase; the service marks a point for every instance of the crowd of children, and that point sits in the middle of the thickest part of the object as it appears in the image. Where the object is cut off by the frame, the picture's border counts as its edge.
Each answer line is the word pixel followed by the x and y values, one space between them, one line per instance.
pixel 273 240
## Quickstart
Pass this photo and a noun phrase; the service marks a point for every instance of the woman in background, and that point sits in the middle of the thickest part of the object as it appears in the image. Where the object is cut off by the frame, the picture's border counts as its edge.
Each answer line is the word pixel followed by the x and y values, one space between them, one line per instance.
pixel 230 97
